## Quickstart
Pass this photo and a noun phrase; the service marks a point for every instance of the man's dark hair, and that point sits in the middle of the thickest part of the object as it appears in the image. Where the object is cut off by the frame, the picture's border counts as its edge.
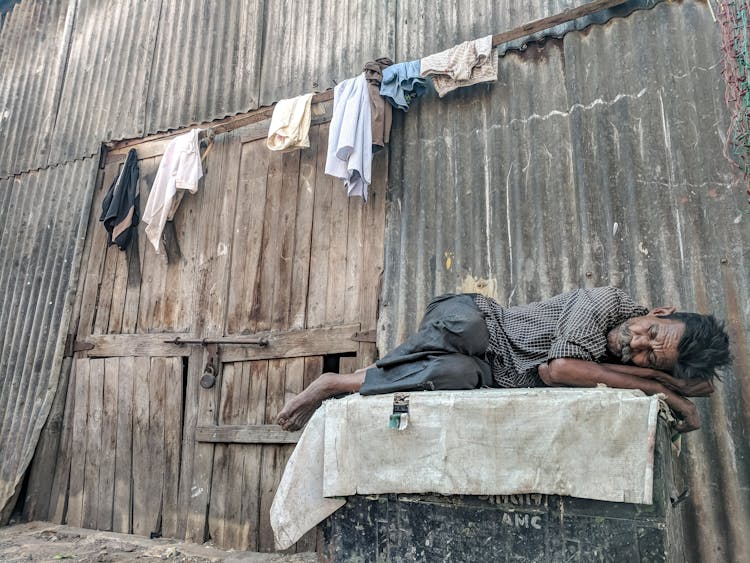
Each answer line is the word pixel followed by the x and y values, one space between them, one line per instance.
pixel 703 348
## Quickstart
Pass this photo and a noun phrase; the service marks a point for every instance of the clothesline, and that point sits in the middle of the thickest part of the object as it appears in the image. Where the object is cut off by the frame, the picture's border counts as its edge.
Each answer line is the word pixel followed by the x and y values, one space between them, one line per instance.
pixel 261 114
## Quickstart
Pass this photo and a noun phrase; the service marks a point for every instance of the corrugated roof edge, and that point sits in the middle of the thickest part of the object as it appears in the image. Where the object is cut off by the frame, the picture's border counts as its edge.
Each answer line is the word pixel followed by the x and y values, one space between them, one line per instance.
pixel 580 24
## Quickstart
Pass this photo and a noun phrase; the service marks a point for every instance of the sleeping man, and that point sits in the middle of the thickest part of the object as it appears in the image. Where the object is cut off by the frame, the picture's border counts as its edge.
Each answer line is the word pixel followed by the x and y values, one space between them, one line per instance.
pixel 580 338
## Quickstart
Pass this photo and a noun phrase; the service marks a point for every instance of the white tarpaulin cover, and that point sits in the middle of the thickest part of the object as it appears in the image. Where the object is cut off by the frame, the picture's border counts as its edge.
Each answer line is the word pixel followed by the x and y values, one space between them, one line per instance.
pixel 588 443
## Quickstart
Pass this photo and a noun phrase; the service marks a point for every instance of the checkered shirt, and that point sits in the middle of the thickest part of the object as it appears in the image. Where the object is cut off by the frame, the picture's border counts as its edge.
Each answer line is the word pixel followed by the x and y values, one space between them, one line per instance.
pixel 571 325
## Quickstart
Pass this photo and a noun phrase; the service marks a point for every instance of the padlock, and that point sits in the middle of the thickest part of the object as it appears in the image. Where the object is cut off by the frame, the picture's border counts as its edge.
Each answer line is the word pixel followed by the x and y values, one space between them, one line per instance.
pixel 208 379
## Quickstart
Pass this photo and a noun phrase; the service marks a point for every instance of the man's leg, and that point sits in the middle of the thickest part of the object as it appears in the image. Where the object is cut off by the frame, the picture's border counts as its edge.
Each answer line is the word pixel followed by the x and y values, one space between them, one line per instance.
pixel 298 411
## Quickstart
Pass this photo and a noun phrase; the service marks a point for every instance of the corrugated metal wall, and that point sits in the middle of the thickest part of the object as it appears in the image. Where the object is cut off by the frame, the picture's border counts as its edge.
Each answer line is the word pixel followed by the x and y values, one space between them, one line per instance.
pixel 41 238
pixel 594 160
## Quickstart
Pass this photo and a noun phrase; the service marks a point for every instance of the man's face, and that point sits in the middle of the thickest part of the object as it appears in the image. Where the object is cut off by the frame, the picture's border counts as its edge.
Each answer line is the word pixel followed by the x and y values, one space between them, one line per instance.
pixel 649 341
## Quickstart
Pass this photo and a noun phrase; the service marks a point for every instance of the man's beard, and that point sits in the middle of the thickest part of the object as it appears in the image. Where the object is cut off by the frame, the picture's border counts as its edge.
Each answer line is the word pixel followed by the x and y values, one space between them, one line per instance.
pixel 626 354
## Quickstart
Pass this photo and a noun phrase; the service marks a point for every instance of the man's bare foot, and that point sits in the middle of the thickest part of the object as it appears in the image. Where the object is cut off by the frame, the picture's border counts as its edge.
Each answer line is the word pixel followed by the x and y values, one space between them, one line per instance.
pixel 298 411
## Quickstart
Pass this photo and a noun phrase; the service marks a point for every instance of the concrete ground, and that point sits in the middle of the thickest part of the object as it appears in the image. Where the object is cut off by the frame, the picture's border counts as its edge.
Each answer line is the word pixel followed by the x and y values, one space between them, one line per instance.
pixel 42 541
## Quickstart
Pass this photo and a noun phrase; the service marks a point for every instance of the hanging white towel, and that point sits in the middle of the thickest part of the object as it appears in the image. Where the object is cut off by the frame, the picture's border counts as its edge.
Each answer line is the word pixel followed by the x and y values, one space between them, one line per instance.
pixel 350 136
pixel 180 169
pixel 290 124
pixel 469 63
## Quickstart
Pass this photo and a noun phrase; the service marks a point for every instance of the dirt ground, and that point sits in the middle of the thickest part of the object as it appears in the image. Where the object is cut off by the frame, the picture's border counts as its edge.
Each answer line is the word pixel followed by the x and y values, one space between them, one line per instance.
pixel 42 541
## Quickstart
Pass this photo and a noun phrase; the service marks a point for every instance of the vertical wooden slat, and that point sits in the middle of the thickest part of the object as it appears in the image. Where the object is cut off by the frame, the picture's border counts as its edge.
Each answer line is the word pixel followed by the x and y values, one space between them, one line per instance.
pixel 248 239
pixel 78 453
pixel 303 232
pixel 119 293
pixel 285 228
pixel 93 444
pixel 320 239
pixel 373 235
pixel 272 459
pixel 153 265
pixel 235 534
pixel 263 302
pixel 157 406
pixel 61 480
pixel 221 486
pixel 108 445
pixel 172 431
pixel 141 454
pixel 121 516
pixel 337 244
pixel 104 302
pixel 257 375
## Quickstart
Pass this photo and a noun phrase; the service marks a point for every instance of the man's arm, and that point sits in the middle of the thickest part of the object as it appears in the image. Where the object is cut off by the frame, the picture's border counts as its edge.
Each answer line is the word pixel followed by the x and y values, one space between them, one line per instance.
pixel 569 372
pixel 694 387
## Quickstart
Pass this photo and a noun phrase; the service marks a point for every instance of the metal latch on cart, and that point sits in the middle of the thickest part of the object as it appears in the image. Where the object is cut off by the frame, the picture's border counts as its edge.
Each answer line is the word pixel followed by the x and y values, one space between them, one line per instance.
pixel 400 418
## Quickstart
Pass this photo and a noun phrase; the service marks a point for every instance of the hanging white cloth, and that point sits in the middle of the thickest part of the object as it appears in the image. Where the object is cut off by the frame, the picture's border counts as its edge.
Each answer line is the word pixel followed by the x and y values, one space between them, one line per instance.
pixel 350 137
pixel 180 169
pixel 290 124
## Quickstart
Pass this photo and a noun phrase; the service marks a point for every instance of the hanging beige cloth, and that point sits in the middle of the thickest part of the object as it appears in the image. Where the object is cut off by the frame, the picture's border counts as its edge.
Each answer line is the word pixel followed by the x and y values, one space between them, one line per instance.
pixel 469 63
pixel 290 124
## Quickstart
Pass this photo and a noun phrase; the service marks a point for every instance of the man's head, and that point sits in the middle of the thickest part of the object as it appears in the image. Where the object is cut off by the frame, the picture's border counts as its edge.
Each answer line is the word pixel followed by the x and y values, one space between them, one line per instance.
pixel 688 345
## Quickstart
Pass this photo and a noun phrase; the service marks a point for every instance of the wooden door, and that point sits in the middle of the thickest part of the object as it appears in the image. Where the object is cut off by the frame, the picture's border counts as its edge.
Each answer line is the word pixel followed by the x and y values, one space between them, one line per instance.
pixel 303 269
pixel 269 247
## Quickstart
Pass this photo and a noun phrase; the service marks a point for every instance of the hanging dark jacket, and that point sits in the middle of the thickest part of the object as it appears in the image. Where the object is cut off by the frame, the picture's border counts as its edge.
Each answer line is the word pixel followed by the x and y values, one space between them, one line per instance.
pixel 120 208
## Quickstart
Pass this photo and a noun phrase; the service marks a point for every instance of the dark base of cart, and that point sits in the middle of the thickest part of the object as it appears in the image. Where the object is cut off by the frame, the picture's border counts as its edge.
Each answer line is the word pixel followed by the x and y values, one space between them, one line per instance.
pixel 526 527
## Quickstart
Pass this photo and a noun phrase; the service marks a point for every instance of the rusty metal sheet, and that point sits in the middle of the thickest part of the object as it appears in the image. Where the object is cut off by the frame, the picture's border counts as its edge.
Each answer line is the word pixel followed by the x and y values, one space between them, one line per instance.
pixel 591 161
pixel 323 42
pixel 43 217
pixel 33 50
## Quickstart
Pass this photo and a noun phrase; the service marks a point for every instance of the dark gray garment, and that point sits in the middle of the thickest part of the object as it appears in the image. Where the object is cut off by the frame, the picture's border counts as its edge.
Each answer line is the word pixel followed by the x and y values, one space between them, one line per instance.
pixel 447 352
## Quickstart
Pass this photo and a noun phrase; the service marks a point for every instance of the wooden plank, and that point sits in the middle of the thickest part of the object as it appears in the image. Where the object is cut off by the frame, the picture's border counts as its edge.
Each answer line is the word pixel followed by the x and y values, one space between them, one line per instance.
pixel 373 256
pixel 106 284
pixel 337 259
pixel 127 345
pixel 262 311
pixel 285 229
pixel 313 342
pixel 108 445
pixel 271 457
pixel 321 227
pixel 119 293
pixel 156 444
pixel 246 434
pixel 257 375
pixel 236 531
pixel 248 239
pixel 93 444
pixel 78 455
pixel 223 483
pixel 92 270
pixel 61 479
pixel 193 391
pixel 141 453
pixel 303 232
pixel 356 239
pixel 121 520
pixel 172 435
pixel 153 266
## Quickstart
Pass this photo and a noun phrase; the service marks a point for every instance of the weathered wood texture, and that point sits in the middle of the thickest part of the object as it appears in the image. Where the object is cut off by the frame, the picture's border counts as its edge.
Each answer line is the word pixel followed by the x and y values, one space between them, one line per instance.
pixel 268 246
pixel 125 456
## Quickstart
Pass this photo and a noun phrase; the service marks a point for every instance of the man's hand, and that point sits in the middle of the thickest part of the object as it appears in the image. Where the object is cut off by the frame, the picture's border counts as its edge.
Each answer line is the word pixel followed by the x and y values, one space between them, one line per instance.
pixel 693 387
